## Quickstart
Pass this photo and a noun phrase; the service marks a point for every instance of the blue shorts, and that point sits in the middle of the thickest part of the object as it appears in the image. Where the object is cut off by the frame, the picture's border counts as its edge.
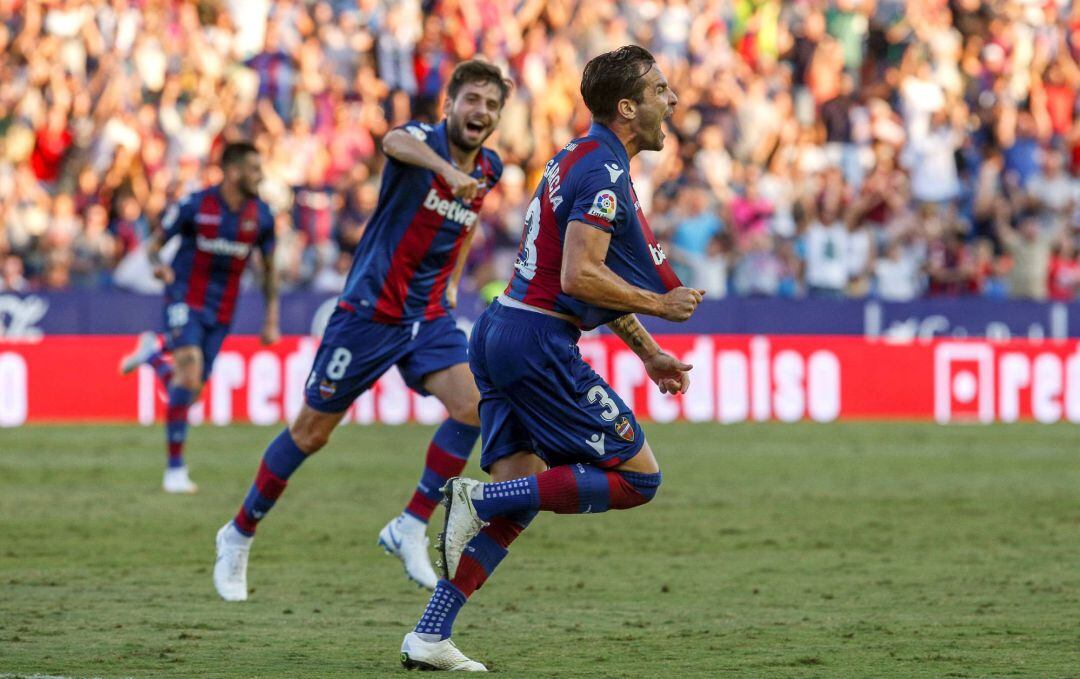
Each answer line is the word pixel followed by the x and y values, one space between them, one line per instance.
pixel 355 352
pixel 187 327
pixel 538 395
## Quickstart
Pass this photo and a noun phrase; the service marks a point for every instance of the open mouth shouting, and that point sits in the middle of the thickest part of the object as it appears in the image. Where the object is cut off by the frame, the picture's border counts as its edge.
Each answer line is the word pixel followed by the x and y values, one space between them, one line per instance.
pixel 476 127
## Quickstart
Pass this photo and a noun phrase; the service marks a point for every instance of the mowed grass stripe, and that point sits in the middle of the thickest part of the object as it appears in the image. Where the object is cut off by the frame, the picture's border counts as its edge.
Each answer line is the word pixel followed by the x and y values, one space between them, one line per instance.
pixel 771 550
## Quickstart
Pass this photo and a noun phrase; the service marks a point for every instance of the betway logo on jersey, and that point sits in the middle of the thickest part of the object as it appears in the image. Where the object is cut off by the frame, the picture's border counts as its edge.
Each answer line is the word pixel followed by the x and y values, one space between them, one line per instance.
pixel 658 254
pixel 223 246
pixel 451 209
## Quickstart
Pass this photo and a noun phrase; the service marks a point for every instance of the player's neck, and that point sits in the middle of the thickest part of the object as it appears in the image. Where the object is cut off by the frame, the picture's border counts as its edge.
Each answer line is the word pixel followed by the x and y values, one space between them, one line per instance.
pixel 232 195
pixel 626 137
pixel 464 160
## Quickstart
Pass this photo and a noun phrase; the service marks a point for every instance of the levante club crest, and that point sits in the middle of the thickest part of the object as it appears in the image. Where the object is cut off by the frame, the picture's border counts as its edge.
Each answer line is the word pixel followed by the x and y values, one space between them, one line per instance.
pixel 327 389
pixel 624 429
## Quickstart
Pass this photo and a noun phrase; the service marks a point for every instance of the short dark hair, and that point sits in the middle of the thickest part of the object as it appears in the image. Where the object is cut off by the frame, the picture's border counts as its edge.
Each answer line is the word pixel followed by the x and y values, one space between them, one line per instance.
pixel 477 71
pixel 236 151
pixel 612 77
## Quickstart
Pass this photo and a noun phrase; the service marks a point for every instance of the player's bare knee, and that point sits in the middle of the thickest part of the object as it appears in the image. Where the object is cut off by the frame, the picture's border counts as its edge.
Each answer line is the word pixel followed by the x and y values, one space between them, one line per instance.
pixel 308 437
pixel 466 411
pixel 310 432
pixel 644 462
pixel 192 383
pixel 517 466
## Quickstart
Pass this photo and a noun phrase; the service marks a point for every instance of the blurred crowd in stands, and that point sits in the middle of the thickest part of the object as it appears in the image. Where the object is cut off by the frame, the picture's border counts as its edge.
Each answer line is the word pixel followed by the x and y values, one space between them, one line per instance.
pixel 888 148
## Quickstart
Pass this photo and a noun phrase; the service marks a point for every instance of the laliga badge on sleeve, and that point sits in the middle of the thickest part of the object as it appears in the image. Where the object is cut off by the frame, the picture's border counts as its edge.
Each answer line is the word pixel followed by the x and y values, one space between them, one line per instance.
pixel 604 205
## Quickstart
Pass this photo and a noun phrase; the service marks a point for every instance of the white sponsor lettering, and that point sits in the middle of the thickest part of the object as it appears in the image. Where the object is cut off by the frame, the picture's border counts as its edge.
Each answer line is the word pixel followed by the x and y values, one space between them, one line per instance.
pixel 735 385
pixel 223 246
pixel 735 379
pixel 451 209
pixel 658 254
pixel 204 218
pixel 264 388
pixel 19 316
pixel 973 381
pixel 960 370
pixel 394 401
pixel 14 383
pixel 229 369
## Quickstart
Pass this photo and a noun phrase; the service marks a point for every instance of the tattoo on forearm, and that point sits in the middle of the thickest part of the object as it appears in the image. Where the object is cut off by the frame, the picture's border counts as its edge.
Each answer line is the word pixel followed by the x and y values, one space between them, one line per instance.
pixel 629 328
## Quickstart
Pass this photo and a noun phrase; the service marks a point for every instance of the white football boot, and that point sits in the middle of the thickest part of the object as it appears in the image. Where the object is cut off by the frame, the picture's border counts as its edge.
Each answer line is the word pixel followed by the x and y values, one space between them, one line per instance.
pixel 417 654
pixel 176 480
pixel 145 347
pixel 461 524
pixel 405 538
pixel 230 568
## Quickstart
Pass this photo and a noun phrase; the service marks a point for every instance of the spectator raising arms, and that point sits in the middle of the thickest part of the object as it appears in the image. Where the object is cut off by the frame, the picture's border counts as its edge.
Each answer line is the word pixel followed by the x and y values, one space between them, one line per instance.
pixel 891 109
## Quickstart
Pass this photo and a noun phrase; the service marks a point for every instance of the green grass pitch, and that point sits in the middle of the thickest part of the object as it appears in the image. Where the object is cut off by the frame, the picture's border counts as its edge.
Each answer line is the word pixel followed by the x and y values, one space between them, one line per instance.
pixel 863 550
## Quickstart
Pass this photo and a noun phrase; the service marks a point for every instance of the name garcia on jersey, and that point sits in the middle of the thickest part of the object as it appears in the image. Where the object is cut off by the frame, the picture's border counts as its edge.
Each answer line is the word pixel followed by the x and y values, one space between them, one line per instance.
pixel 451 209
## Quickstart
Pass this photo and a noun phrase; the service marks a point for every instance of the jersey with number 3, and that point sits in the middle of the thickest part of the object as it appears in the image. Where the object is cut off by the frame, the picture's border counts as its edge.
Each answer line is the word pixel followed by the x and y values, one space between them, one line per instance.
pixel 410 245
pixel 587 181
pixel 215 244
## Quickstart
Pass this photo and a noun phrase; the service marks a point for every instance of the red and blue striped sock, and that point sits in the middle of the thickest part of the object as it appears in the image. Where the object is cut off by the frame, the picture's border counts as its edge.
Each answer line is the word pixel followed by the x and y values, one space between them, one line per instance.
pixel 176 423
pixel 570 489
pixel 485 551
pixel 162 366
pixel 280 460
pixel 446 457
pixel 480 558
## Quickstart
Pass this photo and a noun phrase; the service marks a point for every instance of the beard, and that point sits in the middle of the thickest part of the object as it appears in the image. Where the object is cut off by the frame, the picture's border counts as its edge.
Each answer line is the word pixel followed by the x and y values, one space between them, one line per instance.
pixel 455 130
pixel 654 138
pixel 248 188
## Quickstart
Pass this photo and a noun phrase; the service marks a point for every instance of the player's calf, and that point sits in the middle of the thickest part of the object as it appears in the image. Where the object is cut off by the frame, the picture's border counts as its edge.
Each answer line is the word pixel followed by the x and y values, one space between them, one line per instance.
pixel 183 390
pixel 282 457
pixel 404 536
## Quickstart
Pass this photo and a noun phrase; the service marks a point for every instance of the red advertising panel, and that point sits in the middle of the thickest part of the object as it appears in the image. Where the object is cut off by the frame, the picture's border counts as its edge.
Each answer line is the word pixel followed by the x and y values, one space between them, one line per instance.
pixel 736 378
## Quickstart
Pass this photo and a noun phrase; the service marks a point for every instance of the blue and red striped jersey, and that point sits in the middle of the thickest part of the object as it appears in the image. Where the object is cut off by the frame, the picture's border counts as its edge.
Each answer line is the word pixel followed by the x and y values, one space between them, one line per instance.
pixel 587 181
pixel 405 258
pixel 214 249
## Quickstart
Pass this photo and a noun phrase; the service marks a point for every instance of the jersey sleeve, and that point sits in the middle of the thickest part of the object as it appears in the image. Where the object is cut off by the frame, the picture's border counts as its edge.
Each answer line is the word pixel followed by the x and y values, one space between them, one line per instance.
pixel 496 165
pixel 422 131
pixel 180 218
pixel 596 200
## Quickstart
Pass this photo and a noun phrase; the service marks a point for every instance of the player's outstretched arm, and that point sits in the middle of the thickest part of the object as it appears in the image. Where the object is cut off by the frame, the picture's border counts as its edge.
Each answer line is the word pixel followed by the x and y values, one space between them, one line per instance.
pixel 162 271
pixel 669 373
pixel 179 218
pixel 405 148
pixel 585 276
pixel 271 331
pixel 459 268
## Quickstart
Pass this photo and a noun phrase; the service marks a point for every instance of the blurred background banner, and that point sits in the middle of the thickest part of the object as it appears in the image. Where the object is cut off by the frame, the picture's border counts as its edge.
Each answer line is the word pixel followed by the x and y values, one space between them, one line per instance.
pixel 737 378
pixel 29 317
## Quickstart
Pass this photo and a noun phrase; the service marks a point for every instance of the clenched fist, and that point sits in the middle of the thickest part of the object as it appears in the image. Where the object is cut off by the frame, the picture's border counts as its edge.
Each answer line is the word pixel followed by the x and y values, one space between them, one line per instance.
pixel 679 304
pixel 462 185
